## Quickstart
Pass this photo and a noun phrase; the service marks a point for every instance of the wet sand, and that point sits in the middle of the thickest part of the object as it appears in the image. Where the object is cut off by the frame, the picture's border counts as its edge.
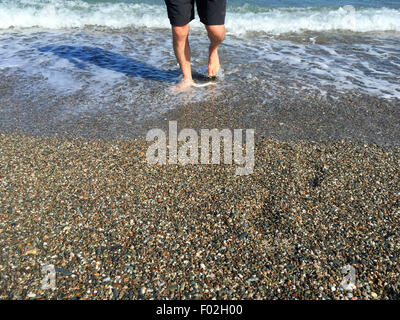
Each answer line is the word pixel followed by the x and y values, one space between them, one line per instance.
pixel 289 115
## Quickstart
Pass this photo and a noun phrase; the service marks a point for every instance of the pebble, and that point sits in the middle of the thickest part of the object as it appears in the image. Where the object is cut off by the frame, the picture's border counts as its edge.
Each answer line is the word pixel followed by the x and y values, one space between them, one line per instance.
pixel 32 251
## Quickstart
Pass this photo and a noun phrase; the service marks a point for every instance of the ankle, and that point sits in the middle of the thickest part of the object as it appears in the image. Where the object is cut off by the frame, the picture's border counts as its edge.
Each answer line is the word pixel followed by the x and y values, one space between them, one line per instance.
pixel 213 49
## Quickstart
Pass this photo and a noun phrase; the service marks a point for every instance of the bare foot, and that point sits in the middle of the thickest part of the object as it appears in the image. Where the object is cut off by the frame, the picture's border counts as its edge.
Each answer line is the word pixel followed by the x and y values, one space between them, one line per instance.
pixel 213 64
pixel 183 85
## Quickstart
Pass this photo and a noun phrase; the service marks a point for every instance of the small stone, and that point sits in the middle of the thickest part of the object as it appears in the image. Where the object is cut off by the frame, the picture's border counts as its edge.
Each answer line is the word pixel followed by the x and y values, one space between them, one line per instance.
pixel 374 295
pixel 349 295
pixel 63 272
pixel 252 279
pixel 32 251
pixel 242 236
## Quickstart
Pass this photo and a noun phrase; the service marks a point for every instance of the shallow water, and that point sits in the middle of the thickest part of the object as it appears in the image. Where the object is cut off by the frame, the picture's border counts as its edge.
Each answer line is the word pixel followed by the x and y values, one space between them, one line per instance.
pixel 76 59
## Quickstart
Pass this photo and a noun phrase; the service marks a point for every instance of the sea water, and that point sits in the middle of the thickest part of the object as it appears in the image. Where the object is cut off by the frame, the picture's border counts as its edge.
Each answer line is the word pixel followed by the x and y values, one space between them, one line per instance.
pixel 77 58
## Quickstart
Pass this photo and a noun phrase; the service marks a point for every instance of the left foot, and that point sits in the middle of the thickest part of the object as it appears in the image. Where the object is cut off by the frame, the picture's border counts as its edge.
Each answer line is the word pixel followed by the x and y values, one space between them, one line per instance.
pixel 213 64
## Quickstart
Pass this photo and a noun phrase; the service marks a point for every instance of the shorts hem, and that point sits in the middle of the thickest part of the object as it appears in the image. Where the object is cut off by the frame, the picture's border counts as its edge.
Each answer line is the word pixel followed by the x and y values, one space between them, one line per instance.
pixel 177 24
pixel 206 23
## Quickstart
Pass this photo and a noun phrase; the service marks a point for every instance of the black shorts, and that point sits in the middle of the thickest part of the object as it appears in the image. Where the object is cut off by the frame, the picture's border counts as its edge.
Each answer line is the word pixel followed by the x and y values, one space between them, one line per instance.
pixel 181 12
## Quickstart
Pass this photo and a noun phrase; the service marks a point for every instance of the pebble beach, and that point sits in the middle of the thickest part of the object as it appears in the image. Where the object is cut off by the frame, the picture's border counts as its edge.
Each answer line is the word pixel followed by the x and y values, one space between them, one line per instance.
pixel 85 216
pixel 115 227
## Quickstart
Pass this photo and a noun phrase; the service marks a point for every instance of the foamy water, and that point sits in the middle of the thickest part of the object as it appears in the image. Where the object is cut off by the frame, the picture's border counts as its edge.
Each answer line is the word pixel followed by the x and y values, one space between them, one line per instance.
pixel 61 14
pixel 110 56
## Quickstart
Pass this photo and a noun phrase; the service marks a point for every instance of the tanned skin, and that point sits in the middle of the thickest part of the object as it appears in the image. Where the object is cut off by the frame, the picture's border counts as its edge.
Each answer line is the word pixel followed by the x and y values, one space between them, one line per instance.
pixel 180 36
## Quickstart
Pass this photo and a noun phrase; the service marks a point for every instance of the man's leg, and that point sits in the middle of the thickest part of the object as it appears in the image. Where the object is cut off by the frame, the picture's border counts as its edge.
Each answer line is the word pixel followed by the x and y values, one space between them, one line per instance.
pixel 180 37
pixel 216 34
pixel 212 15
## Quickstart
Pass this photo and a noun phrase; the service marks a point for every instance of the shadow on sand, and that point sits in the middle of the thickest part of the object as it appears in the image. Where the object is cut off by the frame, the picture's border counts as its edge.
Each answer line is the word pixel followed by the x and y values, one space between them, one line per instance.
pixel 82 56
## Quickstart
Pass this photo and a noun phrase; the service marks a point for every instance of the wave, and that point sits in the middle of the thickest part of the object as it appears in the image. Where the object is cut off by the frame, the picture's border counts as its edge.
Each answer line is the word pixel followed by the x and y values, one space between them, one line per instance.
pixel 62 14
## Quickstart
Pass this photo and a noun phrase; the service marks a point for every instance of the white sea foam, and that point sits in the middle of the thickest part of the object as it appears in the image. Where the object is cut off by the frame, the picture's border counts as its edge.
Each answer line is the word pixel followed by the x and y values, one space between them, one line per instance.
pixel 278 21
pixel 61 14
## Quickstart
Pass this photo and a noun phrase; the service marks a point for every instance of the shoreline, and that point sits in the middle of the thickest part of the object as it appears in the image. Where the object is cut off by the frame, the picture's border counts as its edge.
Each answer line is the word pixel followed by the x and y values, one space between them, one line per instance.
pixel 289 115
